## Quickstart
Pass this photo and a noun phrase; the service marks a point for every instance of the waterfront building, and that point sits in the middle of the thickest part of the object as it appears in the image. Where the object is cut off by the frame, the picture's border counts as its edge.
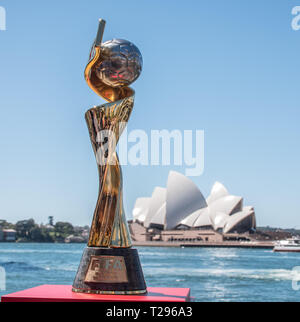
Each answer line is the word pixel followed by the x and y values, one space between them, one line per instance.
pixel 181 212
pixel 9 235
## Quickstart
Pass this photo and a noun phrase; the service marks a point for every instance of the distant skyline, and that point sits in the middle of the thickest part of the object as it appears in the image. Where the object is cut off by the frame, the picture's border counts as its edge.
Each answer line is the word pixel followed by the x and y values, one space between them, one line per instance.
pixel 229 68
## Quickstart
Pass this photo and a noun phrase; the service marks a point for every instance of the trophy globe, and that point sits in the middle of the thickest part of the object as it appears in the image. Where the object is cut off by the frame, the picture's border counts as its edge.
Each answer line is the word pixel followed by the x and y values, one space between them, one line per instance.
pixel 121 63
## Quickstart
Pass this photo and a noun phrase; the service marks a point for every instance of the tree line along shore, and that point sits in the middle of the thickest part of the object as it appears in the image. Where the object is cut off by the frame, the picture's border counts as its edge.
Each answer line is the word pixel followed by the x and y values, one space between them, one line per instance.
pixel 28 231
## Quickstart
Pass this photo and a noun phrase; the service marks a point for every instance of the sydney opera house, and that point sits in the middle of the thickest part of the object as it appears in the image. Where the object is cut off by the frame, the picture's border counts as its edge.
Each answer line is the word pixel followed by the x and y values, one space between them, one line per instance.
pixel 180 212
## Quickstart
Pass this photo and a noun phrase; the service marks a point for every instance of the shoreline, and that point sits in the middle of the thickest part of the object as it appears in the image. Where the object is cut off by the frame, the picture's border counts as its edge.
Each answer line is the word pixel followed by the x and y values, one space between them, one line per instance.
pixel 259 245
pixel 246 245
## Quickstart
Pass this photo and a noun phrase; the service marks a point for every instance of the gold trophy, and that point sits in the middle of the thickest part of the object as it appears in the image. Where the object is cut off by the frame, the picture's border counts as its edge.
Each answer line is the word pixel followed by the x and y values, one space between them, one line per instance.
pixel 109 264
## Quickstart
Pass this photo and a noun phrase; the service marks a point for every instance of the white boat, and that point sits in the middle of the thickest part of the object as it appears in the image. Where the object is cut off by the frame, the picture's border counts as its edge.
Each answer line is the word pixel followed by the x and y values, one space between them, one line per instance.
pixel 288 245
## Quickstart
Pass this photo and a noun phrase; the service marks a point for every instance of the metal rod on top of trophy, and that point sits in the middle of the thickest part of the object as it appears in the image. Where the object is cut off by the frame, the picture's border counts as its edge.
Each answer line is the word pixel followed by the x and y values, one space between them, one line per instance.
pixel 100 32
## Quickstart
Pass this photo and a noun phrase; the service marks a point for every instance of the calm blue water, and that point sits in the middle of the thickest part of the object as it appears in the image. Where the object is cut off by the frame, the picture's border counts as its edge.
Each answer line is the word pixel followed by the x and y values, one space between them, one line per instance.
pixel 212 274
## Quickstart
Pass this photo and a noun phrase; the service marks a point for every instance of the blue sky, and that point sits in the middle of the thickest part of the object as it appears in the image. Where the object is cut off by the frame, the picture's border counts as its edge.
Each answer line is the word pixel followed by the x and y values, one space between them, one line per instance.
pixel 230 68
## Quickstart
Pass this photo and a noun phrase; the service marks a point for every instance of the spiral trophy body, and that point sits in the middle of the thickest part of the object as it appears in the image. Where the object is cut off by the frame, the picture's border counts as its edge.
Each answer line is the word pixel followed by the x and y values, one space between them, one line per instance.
pixel 109 264
pixel 109 228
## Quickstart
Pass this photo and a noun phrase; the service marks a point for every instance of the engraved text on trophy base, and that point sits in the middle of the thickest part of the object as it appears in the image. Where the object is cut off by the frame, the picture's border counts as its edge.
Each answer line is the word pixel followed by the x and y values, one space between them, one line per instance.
pixel 107 269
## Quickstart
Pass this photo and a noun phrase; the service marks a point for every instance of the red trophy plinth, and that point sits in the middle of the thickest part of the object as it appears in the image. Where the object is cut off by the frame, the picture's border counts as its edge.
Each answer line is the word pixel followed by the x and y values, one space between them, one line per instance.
pixel 63 293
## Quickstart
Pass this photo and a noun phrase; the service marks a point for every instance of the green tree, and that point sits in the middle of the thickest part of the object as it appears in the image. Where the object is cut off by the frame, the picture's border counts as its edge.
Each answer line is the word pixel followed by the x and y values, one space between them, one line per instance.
pixel 24 227
pixel 36 234
pixel 63 229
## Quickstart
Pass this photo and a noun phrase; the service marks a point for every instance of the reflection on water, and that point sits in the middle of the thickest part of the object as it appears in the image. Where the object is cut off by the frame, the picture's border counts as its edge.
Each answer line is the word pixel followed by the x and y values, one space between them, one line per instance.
pixel 213 274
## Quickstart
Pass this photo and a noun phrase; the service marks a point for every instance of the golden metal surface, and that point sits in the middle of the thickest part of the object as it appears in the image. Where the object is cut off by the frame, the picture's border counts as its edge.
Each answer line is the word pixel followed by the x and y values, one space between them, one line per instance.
pixel 110 94
pixel 109 227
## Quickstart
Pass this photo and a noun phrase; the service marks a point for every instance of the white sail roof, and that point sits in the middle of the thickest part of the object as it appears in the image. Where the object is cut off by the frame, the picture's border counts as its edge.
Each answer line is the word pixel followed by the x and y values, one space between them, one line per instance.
pixel 245 217
pixel 218 191
pixel 191 219
pixel 182 203
pixel 158 199
pixel 203 219
pixel 219 220
pixel 160 217
pixel 227 205
pixel 140 209
pixel 183 198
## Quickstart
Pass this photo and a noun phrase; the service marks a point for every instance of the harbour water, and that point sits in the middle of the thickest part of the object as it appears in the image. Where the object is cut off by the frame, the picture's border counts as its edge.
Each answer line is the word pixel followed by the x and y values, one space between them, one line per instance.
pixel 213 274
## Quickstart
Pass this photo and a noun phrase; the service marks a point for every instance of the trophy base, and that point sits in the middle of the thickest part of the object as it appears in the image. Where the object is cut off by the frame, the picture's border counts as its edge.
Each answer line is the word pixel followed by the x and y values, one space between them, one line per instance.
pixel 110 271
